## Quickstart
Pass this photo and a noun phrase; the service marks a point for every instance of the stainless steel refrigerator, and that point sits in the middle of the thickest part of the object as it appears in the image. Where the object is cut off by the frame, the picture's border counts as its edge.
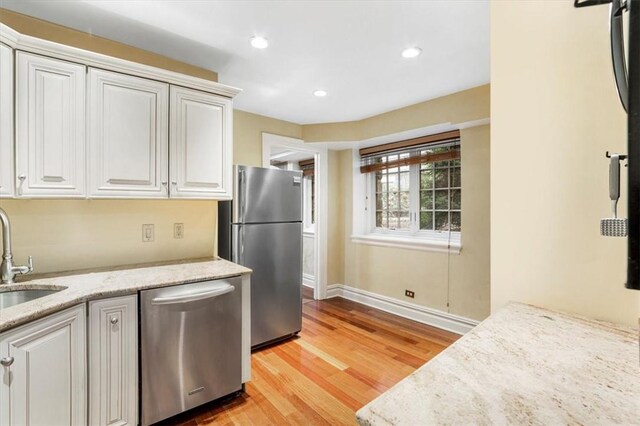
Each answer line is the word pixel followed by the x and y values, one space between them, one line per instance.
pixel 262 230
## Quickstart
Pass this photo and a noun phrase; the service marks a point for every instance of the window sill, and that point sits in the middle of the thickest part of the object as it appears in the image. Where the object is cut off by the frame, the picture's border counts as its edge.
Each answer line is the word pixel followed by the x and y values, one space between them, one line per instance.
pixel 422 244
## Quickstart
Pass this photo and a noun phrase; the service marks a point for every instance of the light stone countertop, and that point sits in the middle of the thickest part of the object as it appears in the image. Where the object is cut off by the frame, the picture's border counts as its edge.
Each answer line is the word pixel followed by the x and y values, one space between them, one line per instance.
pixel 523 365
pixel 86 285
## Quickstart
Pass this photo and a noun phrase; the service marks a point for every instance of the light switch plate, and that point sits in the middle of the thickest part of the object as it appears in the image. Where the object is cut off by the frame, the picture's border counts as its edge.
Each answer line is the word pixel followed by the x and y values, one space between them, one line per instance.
pixel 148 233
pixel 178 230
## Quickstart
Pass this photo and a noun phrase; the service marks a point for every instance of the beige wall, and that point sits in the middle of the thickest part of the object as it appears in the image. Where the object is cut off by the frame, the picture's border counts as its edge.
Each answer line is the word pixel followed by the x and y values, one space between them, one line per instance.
pixel 63 235
pixel 434 277
pixel 554 113
pixel 247 135
pixel 64 35
pixel 461 107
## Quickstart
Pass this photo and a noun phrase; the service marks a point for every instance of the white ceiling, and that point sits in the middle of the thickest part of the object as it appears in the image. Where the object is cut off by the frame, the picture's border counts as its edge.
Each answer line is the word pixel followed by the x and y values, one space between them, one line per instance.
pixel 351 49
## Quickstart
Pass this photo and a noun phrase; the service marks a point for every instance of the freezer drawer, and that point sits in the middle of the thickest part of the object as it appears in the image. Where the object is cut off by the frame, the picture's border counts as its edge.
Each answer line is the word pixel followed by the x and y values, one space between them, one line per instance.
pixel 273 252
pixel 190 338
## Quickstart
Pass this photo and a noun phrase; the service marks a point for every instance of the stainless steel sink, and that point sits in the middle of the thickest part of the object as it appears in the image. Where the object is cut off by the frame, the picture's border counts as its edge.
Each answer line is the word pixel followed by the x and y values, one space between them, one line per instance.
pixel 14 297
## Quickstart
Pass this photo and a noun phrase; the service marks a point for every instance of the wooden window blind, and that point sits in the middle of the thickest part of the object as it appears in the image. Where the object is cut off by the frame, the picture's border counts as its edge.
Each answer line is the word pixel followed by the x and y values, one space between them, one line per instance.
pixel 425 149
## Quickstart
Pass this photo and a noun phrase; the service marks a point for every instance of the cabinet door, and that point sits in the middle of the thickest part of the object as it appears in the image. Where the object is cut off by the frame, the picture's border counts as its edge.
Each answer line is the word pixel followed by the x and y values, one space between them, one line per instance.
pixel 128 136
pixel 50 138
pixel 6 121
pixel 113 361
pixel 201 145
pixel 46 383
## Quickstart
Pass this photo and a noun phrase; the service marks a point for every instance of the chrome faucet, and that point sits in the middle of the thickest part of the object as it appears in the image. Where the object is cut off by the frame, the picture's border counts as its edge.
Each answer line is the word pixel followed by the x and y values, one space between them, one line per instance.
pixel 7 270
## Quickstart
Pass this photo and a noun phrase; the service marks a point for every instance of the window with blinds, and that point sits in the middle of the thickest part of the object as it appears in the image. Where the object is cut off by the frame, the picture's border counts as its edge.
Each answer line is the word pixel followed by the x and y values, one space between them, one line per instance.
pixel 415 185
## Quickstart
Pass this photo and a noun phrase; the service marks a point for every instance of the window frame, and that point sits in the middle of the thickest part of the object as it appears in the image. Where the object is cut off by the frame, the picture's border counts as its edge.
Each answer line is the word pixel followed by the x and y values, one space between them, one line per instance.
pixel 413 234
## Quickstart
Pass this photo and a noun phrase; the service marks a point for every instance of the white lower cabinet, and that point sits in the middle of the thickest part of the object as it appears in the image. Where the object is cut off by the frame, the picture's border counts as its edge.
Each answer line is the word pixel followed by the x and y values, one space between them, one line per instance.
pixel 113 361
pixel 44 371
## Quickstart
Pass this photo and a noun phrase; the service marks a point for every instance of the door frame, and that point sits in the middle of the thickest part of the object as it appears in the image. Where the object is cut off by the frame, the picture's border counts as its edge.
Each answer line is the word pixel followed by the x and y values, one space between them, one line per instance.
pixel 322 182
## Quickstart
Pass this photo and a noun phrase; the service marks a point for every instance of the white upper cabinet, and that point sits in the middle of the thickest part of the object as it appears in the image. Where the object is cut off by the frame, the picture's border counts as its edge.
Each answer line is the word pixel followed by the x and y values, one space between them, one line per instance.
pixel 50 124
pixel 44 371
pixel 200 145
pixel 128 136
pixel 108 132
pixel 6 121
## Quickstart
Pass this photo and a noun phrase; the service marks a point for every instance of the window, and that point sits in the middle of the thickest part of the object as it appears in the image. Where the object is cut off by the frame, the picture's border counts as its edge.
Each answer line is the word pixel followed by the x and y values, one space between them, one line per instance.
pixel 440 196
pixel 392 198
pixel 415 190
pixel 308 194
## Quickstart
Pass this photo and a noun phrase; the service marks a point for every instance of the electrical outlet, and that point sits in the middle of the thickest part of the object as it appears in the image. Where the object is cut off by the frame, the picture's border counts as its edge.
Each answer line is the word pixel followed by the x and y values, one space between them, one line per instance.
pixel 178 230
pixel 148 233
pixel 409 293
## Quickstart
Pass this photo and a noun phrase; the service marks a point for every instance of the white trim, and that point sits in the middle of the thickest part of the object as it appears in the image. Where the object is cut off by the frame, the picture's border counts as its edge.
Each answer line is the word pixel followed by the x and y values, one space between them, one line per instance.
pixel 308 280
pixel 73 54
pixel 444 320
pixel 408 243
pixel 322 185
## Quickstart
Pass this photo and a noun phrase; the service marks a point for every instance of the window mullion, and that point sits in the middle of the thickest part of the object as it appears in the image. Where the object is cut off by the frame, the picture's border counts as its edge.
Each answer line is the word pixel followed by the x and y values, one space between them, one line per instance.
pixel 414 197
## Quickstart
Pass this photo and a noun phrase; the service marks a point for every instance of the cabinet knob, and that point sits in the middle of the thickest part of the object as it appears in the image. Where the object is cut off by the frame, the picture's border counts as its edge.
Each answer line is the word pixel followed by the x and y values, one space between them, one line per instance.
pixel 114 320
pixel 6 361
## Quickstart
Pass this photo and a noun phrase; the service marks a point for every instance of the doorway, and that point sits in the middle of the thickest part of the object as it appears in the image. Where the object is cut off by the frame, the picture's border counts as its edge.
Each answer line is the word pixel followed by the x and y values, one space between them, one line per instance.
pixel 293 154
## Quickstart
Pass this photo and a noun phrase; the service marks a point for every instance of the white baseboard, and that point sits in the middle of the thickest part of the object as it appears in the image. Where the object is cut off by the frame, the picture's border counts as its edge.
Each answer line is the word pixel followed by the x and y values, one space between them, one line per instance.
pixel 308 281
pixel 422 314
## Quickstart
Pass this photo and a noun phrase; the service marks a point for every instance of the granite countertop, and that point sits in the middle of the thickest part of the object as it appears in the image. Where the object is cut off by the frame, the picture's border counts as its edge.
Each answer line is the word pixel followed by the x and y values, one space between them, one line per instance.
pixel 523 365
pixel 82 286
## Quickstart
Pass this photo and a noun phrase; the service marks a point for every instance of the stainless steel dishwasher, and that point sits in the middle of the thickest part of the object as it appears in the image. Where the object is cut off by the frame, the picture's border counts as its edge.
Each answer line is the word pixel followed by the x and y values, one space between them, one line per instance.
pixel 190 338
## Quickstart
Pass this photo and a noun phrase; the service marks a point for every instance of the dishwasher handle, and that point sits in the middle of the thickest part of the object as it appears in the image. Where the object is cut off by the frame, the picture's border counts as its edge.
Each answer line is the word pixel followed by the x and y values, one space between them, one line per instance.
pixel 193 295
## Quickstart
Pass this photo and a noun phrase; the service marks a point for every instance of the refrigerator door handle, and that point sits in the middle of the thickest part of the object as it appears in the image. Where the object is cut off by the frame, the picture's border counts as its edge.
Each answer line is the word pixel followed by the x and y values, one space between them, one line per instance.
pixel 242 195
pixel 617 51
pixel 238 247
pixel 241 245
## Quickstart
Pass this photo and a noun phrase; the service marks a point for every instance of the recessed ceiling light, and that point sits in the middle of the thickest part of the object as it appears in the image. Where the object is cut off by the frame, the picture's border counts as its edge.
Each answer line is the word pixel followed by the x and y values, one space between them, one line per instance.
pixel 320 93
pixel 259 42
pixel 411 52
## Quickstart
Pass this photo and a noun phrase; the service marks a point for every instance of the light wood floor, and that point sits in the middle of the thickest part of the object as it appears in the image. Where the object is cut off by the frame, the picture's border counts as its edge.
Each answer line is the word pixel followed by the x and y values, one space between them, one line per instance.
pixel 346 355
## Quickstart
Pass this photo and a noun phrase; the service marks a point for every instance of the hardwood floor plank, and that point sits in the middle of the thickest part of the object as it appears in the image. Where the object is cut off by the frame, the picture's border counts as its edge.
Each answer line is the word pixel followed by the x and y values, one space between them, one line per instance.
pixel 321 354
pixel 345 356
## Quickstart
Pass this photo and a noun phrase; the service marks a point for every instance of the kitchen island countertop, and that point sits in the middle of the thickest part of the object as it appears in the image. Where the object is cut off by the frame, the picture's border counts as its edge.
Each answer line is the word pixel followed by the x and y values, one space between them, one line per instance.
pixel 523 365
pixel 82 286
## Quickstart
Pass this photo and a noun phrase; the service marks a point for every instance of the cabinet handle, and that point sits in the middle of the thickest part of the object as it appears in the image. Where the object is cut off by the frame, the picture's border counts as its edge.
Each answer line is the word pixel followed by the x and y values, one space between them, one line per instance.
pixel 174 182
pixel 164 183
pixel 6 361
pixel 113 320
pixel 21 178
